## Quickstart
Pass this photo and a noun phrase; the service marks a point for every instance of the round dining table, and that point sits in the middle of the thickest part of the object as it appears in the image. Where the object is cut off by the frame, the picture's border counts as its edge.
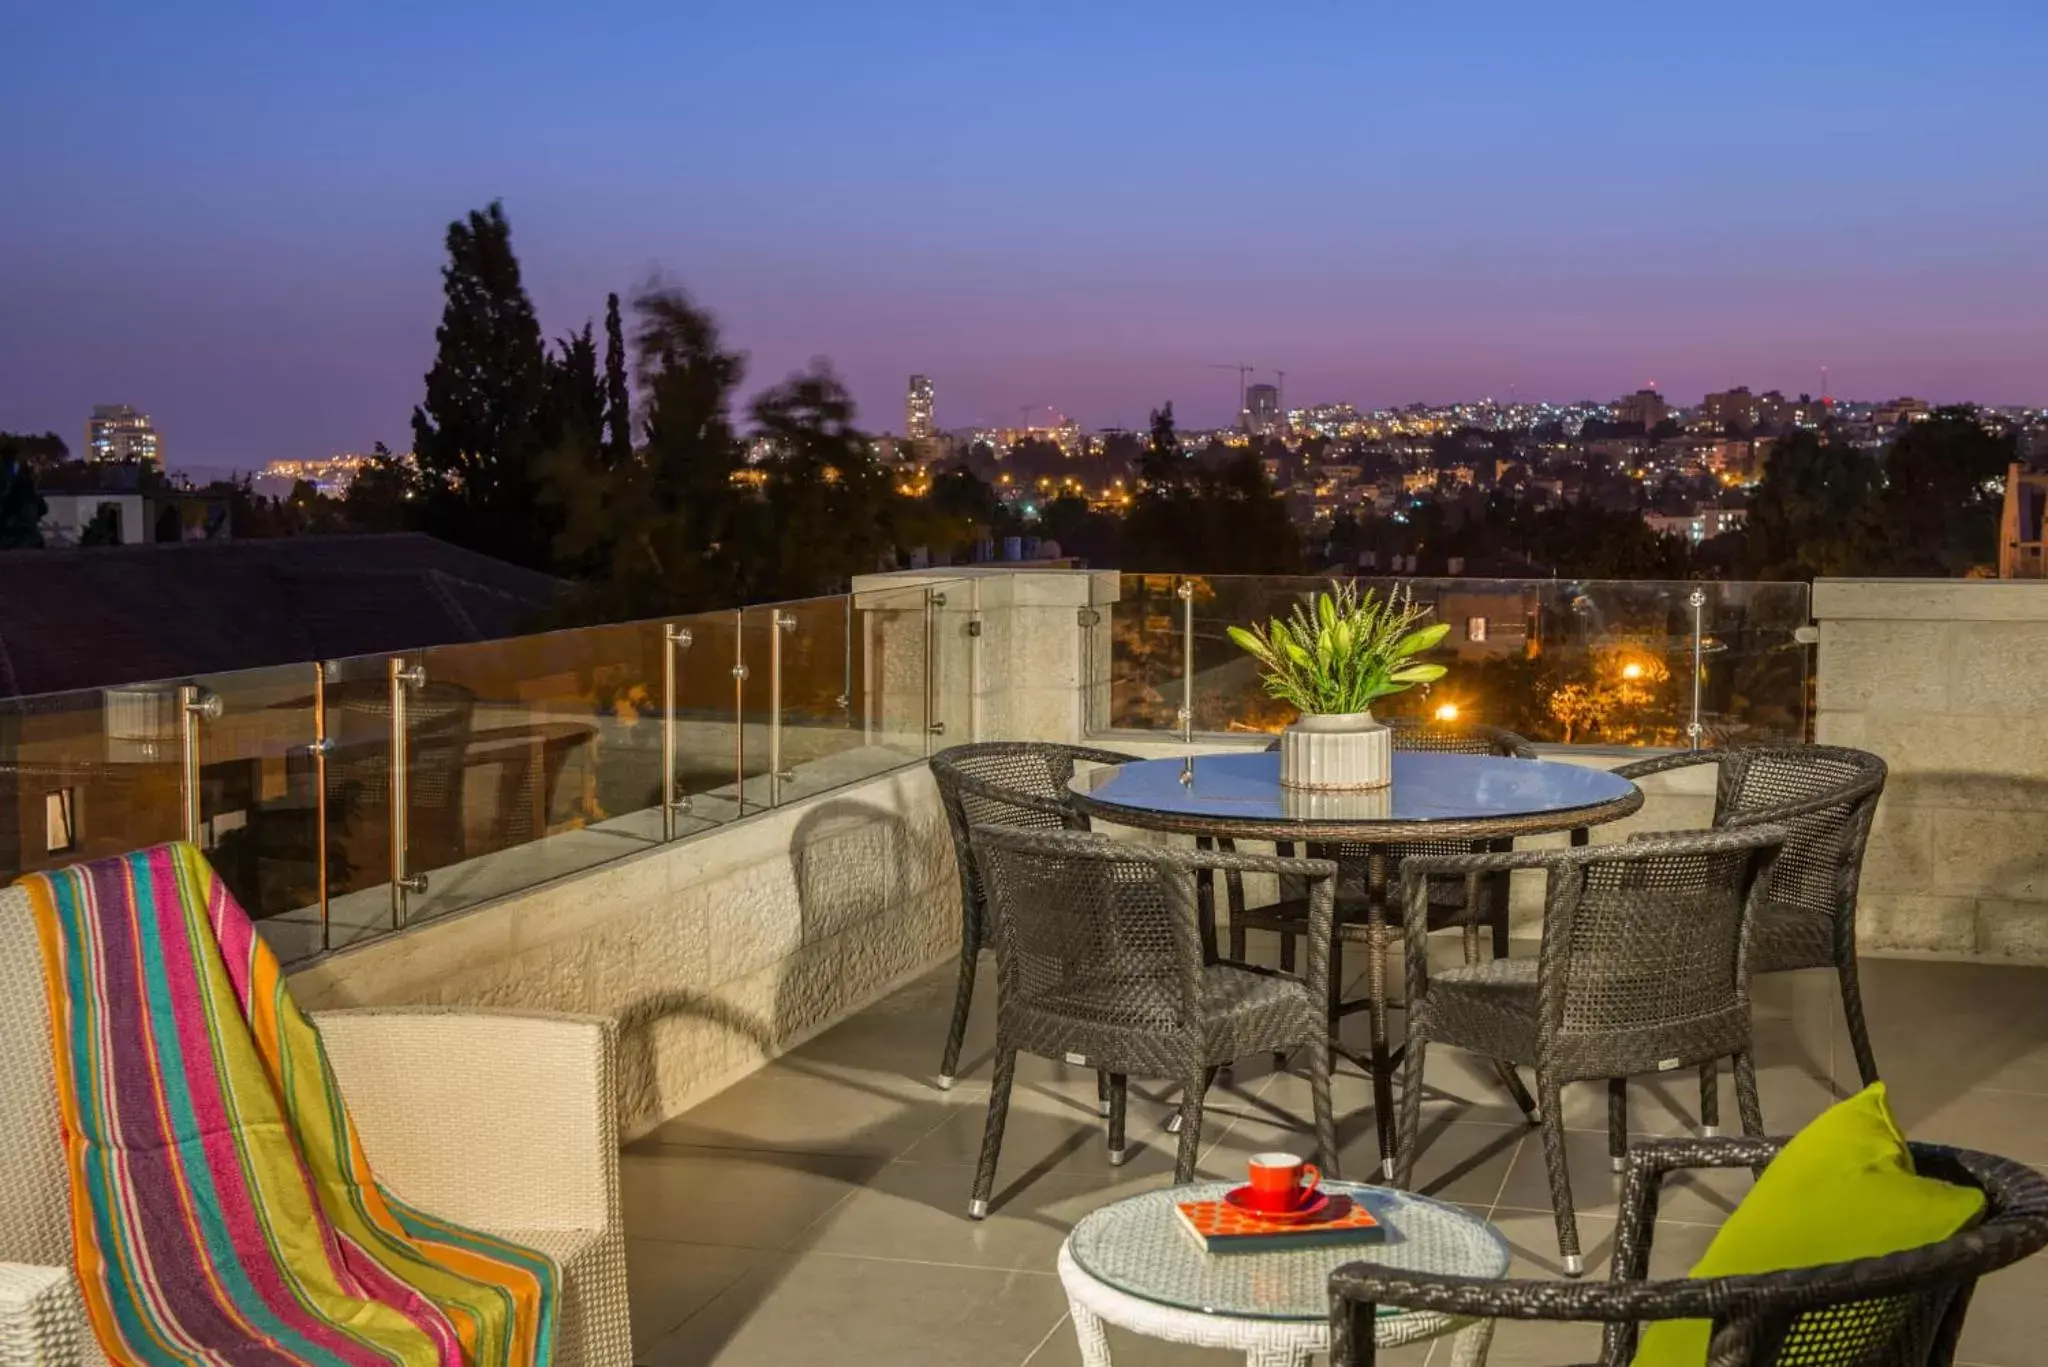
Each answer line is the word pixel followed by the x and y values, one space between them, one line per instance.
pixel 1435 797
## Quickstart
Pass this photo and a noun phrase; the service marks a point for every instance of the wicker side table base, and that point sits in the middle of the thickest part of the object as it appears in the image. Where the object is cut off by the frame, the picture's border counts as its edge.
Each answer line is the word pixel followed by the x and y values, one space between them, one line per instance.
pixel 1264 1343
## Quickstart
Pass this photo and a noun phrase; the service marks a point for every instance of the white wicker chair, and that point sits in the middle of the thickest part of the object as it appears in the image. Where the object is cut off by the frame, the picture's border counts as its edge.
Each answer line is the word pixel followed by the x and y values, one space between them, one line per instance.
pixel 500 1120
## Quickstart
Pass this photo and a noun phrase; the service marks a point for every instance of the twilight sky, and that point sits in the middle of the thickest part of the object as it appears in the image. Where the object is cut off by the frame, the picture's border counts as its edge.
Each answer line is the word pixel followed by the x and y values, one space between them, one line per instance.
pixel 230 215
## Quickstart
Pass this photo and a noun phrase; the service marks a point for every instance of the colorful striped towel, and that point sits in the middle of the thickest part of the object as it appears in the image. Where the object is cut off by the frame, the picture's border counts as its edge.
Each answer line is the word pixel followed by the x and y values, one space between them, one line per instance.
pixel 221 1207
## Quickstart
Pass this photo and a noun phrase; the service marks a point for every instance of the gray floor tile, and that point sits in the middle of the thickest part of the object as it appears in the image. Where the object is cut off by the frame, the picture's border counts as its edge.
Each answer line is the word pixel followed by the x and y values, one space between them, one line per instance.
pixel 786 1107
pixel 669 1282
pixel 759 1199
pixel 859 1312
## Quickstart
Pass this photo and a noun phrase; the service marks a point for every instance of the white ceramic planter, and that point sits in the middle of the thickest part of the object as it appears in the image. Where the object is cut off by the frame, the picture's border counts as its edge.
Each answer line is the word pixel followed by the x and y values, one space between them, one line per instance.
pixel 1347 752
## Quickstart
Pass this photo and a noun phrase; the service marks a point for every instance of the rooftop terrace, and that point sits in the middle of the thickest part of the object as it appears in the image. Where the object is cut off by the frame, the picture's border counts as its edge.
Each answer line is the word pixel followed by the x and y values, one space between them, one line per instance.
pixel 719 831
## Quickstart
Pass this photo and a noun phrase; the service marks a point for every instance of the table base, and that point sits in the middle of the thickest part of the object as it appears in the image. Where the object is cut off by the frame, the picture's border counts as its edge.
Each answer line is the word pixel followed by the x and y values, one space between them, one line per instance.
pixel 1264 1343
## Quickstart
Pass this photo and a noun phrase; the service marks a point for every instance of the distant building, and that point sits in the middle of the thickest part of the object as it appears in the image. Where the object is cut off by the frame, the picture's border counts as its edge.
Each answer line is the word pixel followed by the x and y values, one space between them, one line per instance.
pixel 1898 412
pixel 1731 410
pixel 1262 410
pixel 116 432
pixel 1703 524
pixel 330 475
pixel 917 410
pixel 119 505
pixel 1645 406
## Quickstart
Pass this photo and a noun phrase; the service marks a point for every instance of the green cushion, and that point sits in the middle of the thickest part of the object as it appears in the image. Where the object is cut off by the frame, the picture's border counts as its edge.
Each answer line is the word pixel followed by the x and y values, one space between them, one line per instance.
pixel 1843 1188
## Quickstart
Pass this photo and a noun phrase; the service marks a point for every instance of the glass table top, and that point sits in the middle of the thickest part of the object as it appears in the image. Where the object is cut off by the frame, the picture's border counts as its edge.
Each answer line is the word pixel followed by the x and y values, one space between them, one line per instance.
pixel 1245 786
pixel 1140 1246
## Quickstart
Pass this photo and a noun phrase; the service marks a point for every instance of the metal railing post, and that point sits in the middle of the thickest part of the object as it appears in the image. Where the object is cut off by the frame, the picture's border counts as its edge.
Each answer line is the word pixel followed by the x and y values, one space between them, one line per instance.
pixel 403 677
pixel 321 747
pixel 1185 590
pixel 782 624
pixel 933 726
pixel 739 710
pixel 673 638
pixel 1695 730
pixel 846 669
pixel 194 704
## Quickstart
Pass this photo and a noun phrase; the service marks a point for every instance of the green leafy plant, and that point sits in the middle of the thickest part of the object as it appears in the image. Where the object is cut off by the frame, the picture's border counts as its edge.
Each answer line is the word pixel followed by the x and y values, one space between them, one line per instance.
pixel 1344 651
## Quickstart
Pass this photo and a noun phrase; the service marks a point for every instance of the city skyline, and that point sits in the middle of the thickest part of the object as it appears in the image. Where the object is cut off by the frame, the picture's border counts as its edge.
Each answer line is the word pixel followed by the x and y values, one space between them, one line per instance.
pixel 1499 202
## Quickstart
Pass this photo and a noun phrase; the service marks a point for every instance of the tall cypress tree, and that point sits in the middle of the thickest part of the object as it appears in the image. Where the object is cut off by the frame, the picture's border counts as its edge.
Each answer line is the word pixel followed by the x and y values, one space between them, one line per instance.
pixel 21 507
pixel 618 402
pixel 478 434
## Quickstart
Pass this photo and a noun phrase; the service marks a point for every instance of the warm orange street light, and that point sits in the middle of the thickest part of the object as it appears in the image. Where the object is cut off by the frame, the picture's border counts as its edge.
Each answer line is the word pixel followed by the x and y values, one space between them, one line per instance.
pixel 1447 711
pixel 1632 670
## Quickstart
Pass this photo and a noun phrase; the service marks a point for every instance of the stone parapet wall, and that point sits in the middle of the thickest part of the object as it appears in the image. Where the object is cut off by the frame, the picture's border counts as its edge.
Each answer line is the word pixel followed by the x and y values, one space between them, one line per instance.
pixel 714 954
pixel 1948 681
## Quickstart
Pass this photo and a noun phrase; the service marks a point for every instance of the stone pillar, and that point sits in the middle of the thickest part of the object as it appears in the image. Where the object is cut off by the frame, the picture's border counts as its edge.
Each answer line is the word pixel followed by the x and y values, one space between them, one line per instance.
pixel 1947 680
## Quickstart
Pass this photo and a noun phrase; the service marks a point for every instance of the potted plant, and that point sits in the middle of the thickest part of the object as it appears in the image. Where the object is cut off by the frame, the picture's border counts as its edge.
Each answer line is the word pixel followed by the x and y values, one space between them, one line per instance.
pixel 1336 657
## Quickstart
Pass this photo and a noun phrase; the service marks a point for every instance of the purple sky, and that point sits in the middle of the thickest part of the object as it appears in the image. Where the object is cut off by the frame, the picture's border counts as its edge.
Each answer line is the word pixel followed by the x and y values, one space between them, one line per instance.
pixel 232 219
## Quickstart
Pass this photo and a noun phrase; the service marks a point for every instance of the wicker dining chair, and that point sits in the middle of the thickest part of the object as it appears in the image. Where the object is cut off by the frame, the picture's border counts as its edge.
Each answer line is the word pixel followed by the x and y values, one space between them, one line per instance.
pixel 1826 797
pixel 1901 1310
pixel 1354 861
pixel 1642 968
pixel 999 783
pixel 1101 962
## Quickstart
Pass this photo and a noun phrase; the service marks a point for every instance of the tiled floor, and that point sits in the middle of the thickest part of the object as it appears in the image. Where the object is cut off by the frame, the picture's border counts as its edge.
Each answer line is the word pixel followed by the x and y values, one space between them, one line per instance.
pixel 815 1213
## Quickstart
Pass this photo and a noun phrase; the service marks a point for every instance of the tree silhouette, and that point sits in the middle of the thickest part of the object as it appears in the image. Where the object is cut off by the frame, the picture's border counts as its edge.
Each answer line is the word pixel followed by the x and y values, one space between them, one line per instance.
pixel 1812 513
pixel 618 402
pixel 1944 487
pixel 21 507
pixel 482 426
pixel 827 500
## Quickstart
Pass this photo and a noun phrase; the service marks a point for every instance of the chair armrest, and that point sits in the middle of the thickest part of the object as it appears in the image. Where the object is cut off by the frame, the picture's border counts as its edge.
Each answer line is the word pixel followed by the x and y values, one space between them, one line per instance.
pixel 1663 764
pixel 42 1318
pixel 499 1119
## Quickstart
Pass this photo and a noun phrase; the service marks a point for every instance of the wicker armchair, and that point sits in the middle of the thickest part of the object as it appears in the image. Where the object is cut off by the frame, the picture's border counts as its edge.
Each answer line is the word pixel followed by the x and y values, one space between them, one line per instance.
pixel 547 1179
pixel 1101 961
pixel 999 783
pixel 1826 797
pixel 1902 1310
pixel 1642 969
pixel 1449 905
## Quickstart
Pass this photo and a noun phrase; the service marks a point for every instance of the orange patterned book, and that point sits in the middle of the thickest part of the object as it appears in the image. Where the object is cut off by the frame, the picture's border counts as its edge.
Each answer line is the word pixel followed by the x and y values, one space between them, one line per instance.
pixel 1222 1228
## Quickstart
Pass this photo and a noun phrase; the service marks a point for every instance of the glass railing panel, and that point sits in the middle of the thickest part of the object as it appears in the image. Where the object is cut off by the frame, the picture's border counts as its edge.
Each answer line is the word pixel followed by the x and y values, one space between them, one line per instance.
pixel 1146 664
pixel 1756 674
pixel 531 758
pixel 957 688
pixel 893 700
pixel 355 777
pixel 1562 661
pixel 259 806
pixel 756 694
pixel 88 775
pixel 709 755
pixel 823 745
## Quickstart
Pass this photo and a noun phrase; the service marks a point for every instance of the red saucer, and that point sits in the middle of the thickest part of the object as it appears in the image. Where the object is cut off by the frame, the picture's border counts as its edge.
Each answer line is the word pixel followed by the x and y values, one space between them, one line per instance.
pixel 1240 1198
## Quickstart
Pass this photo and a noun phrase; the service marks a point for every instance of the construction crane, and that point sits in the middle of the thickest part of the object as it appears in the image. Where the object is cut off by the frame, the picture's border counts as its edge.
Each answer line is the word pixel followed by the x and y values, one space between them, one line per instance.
pixel 1242 371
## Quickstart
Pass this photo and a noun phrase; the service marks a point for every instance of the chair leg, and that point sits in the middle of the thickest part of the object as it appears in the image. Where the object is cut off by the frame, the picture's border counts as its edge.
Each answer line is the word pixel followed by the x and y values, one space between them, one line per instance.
pixel 1852 1007
pixel 992 1132
pixel 963 998
pixel 1175 1121
pixel 1617 1121
pixel 1190 1118
pixel 1103 1088
pixel 1118 1096
pixel 1746 1099
pixel 1408 1138
pixel 1710 1097
pixel 1319 1100
pixel 1550 1095
pixel 1512 1080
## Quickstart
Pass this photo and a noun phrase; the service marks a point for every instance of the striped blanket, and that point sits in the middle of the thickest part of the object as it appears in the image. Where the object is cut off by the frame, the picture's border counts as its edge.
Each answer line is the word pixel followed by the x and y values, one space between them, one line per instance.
pixel 222 1210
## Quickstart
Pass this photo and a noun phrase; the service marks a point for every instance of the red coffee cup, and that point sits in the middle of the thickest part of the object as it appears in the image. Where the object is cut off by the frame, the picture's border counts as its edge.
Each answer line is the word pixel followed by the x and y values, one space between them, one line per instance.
pixel 1282 1182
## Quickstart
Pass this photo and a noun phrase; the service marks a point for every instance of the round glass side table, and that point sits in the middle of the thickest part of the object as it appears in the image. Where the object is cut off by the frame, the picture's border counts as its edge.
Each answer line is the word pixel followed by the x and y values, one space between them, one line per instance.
pixel 1134 1264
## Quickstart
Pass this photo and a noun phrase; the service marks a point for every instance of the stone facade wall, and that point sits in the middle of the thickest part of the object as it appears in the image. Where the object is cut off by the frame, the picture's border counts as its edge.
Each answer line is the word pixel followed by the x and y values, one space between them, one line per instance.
pixel 1948 681
pixel 714 953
